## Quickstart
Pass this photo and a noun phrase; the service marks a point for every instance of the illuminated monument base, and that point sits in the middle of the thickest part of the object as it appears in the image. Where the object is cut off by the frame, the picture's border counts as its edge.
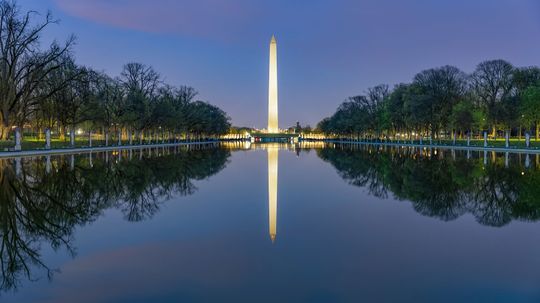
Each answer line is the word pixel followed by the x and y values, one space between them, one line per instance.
pixel 279 138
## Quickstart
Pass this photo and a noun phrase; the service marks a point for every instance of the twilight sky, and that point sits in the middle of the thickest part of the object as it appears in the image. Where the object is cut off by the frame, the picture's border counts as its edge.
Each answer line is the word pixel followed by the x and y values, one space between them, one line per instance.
pixel 327 50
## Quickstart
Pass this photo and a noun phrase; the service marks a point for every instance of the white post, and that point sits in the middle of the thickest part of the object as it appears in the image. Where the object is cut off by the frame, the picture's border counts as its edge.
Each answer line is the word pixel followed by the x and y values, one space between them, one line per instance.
pixel 130 138
pixel 119 138
pixel 507 139
pixel 468 139
pixel 527 139
pixel 17 139
pixel 72 137
pixel 47 139
pixel 485 139
pixel 90 138
pixel 106 138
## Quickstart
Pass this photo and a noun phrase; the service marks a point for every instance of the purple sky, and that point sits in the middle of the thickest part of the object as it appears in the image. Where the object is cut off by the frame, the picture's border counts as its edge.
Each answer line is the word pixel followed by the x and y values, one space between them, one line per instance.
pixel 327 50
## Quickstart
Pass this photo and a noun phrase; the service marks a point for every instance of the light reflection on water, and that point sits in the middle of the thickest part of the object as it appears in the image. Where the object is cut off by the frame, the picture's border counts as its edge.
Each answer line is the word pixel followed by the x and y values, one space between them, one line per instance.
pixel 193 224
pixel 272 190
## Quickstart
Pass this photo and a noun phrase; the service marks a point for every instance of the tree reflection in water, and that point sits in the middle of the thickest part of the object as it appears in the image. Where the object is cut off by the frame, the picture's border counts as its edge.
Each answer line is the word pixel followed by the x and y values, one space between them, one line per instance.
pixel 495 188
pixel 43 200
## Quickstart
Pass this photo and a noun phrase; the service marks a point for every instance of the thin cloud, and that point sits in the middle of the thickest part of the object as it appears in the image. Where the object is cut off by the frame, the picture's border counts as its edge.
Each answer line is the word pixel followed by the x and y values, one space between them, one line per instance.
pixel 202 18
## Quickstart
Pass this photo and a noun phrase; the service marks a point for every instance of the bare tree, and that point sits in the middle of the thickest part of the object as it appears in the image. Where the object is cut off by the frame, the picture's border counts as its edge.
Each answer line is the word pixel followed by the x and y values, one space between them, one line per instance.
pixel 377 93
pixel 186 94
pixel 139 78
pixel 23 65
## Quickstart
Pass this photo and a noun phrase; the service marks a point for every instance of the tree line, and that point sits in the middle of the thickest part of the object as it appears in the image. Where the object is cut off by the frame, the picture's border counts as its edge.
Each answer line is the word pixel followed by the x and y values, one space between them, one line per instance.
pixel 44 88
pixel 444 101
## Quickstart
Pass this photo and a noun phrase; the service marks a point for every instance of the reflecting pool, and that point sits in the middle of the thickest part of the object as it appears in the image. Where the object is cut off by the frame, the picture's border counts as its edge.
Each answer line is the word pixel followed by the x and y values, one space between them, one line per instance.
pixel 240 222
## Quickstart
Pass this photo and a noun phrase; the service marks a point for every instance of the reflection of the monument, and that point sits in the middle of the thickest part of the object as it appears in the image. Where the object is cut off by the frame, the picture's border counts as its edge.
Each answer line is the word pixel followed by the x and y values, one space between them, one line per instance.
pixel 273 159
pixel 272 190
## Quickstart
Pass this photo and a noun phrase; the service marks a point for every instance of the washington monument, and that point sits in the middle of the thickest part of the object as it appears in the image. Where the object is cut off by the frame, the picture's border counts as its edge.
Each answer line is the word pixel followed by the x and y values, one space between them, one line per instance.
pixel 272 89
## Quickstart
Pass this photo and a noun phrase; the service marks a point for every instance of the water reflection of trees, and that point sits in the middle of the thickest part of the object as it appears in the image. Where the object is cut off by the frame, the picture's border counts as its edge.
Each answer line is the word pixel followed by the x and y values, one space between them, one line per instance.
pixel 43 200
pixel 494 188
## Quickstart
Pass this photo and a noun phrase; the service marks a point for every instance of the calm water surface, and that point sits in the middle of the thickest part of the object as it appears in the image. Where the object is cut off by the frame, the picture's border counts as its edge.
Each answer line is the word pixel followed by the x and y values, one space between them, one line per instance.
pixel 271 223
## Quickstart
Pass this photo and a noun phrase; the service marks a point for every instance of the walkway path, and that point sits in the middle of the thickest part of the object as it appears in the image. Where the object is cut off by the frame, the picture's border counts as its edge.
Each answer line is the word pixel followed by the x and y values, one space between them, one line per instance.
pixel 81 150
pixel 456 147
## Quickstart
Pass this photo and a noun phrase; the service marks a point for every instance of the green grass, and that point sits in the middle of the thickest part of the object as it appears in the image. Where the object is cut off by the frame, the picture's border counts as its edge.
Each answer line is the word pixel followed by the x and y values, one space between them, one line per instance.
pixel 35 144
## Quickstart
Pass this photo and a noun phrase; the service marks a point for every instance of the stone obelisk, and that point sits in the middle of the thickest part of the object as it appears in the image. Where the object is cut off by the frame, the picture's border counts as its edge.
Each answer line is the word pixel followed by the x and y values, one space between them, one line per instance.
pixel 273 89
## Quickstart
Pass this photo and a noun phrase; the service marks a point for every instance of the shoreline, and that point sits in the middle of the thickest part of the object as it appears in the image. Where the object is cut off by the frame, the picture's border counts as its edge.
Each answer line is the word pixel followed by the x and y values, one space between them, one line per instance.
pixel 455 147
pixel 86 150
